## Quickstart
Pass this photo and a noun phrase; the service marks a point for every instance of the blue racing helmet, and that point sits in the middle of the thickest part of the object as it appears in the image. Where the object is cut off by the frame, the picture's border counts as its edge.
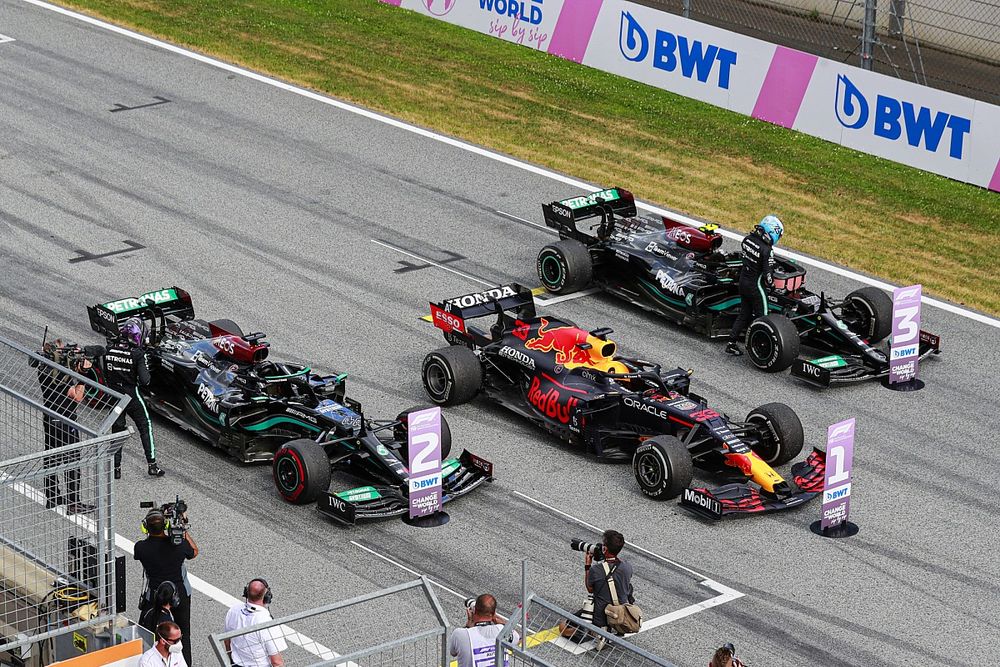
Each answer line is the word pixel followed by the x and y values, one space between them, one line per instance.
pixel 132 330
pixel 771 226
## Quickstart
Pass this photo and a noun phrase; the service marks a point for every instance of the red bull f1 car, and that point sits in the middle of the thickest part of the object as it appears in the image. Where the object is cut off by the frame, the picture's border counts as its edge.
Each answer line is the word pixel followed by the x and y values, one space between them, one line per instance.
pixel 679 272
pixel 573 383
pixel 212 379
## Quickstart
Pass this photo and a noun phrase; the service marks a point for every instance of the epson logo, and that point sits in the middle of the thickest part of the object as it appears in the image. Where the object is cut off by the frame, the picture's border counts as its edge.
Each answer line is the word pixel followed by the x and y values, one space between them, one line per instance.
pixel 561 211
pixel 106 314
pixel 699 499
pixel 485 296
pixel 517 356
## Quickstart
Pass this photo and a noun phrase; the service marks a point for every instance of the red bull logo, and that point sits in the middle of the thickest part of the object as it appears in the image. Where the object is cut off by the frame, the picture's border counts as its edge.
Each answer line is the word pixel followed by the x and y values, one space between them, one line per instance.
pixel 567 342
pixel 551 403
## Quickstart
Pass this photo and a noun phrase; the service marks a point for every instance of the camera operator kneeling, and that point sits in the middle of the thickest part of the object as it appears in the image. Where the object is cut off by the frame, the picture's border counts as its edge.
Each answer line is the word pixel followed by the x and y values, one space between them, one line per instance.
pixel 599 579
pixel 163 560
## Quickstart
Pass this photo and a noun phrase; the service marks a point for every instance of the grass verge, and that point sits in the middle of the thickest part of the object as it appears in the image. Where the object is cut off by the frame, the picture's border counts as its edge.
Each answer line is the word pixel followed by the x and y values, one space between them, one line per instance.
pixel 858 210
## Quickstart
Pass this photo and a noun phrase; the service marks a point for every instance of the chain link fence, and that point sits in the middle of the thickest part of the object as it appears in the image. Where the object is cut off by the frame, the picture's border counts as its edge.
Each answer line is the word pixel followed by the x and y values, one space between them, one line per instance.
pixel 953 45
pixel 352 633
pixel 57 565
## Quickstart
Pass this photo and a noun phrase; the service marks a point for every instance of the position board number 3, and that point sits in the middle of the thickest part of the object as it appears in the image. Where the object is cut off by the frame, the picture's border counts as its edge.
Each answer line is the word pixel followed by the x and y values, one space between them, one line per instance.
pixel 838 455
pixel 5 38
pixel 909 330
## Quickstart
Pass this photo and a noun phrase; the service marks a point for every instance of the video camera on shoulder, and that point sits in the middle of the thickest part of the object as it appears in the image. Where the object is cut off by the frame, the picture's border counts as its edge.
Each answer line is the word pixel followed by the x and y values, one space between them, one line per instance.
pixel 175 522
pixel 595 549
pixel 71 355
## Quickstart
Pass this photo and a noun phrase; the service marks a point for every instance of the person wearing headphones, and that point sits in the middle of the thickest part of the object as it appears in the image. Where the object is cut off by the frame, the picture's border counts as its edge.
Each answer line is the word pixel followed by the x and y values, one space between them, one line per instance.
pixel 254 649
pixel 125 370
pixel 754 274
pixel 162 560
pixel 165 599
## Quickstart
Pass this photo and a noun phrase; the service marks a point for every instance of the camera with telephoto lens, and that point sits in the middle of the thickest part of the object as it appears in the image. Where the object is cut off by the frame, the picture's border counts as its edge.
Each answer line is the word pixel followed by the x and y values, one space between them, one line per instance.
pixel 176 523
pixel 594 549
pixel 70 355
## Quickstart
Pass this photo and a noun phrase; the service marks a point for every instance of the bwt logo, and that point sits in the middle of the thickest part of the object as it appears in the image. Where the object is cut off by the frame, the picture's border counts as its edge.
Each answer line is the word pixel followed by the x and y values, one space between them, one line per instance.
pixel 894 118
pixel 695 58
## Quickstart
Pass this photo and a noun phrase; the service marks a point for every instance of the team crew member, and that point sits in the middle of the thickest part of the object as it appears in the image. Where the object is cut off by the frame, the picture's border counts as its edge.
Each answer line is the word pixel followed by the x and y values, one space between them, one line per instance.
pixel 166 652
pixel 619 570
pixel 255 649
pixel 125 369
pixel 164 600
pixel 754 274
pixel 475 645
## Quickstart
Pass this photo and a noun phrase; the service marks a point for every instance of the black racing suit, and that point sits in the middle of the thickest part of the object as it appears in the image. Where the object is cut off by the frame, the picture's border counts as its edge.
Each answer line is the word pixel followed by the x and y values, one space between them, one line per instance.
pixel 55 388
pixel 125 370
pixel 754 275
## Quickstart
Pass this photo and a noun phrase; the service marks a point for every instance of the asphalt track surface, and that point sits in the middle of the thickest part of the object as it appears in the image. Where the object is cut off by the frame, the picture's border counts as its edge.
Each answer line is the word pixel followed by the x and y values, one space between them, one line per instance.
pixel 265 205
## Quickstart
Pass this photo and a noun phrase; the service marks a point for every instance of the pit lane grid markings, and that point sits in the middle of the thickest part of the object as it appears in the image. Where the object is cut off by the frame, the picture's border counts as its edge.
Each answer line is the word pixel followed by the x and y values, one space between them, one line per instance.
pixel 128 546
pixel 122 107
pixel 84 256
pixel 482 152
pixel 725 593
pixel 4 39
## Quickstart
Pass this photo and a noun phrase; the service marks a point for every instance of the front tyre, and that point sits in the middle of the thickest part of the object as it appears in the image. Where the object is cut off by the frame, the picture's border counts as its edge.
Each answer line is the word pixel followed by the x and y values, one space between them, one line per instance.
pixel 868 313
pixel 301 471
pixel 452 375
pixel 662 467
pixel 772 343
pixel 781 436
pixel 401 431
pixel 564 266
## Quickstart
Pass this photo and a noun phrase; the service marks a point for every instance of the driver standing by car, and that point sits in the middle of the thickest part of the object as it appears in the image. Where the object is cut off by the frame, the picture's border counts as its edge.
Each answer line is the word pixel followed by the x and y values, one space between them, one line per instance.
pixel 125 369
pixel 756 270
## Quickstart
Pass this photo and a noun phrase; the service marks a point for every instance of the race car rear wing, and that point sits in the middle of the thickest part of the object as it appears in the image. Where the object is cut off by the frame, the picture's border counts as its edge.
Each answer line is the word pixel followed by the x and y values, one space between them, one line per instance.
pixel 450 315
pixel 565 213
pixel 172 302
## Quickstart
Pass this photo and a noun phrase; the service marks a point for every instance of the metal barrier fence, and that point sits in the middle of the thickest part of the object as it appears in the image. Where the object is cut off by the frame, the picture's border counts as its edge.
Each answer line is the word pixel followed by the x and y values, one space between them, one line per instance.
pixel 953 45
pixel 357 632
pixel 57 567
pixel 556 638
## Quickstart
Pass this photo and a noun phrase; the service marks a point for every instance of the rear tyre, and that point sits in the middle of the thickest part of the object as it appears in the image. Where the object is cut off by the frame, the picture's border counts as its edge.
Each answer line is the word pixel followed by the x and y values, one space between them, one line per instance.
pixel 400 433
pixel 870 310
pixel 230 326
pixel 452 375
pixel 301 471
pixel 772 343
pixel 564 266
pixel 662 467
pixel 781 436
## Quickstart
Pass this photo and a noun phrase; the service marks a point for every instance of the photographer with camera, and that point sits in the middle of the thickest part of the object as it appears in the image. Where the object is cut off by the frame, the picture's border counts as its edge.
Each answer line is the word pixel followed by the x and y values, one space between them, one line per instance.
pixel 125 370
pixel 163 555
pixel 611 584
pixel 61 393
pixel 255 649
pixel 475 645
pixel 725 656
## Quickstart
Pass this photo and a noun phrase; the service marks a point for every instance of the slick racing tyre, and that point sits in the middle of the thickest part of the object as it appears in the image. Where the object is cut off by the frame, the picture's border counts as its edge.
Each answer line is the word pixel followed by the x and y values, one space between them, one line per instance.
pixel 452 375
pixel 781 436
pixel 662 467
pixel 230 326
pixel 301 471
pixel 565 266
pixel 868 313
pixel 772 343
pixel 400 433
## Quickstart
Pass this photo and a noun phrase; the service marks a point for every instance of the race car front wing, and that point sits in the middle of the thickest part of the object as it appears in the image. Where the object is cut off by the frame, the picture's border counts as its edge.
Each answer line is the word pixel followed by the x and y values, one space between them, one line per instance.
pixel 458 477
pixel 840 369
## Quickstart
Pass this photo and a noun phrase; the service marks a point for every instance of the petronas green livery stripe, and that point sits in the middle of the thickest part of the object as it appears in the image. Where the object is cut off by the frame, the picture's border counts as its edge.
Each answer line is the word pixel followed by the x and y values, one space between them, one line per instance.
pixel 661 294
pixel 268 423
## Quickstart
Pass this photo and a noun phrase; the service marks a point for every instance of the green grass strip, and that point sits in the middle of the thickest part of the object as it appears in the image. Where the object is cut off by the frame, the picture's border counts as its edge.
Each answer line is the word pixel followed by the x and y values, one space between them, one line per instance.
pixel 861 211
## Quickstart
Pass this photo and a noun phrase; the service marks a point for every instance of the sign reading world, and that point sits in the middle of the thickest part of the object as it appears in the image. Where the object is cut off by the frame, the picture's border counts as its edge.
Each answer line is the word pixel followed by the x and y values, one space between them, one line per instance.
pixel 424 441
pixel 837 486
pixel 904 349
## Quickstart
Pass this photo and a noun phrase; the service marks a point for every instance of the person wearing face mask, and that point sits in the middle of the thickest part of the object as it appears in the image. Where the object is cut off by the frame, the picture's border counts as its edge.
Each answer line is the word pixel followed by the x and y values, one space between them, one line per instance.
pixel 168 649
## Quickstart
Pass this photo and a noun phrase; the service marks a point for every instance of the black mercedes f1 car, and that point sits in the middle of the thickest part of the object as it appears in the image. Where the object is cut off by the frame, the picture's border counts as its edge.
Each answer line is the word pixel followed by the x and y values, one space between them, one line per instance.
pixel 679 272
pixel 572 383
pixel 219 383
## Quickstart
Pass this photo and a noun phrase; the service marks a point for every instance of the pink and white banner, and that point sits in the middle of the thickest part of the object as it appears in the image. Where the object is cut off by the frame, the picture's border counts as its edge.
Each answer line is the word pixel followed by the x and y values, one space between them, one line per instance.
pixel 875 113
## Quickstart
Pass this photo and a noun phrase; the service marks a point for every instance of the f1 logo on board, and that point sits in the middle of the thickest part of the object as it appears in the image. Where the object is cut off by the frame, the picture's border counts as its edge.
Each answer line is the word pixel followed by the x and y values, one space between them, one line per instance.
pixel 894 120
pixel 696 58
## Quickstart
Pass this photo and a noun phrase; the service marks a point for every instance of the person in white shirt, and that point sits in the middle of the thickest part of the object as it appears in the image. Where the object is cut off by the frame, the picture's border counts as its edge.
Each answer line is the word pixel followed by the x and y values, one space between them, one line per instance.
pixel 167 651
pixel 254 649
pixel 475 645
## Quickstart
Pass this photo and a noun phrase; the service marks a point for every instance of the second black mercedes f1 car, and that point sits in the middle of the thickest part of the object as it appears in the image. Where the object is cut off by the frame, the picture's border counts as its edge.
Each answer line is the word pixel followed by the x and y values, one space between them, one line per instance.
pixel 679 272
pixel 216 381
pixel 572 383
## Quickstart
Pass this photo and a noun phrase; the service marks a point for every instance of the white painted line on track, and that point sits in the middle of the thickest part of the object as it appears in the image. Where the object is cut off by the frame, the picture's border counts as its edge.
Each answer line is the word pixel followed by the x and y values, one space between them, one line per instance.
pixel 478 150
pixel 551 300
pixel 197 583
pixel 4 39
pixel 433 263
pixel 410 570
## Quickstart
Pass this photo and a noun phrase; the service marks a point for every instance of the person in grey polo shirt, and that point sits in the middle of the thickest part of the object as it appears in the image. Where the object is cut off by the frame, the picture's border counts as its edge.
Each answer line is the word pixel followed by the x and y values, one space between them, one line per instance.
pixel 596 579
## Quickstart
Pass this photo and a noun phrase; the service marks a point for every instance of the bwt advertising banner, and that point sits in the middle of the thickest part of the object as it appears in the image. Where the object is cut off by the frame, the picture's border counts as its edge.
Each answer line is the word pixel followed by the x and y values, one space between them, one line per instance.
pixel 837 487
pixel 875 113
pixel 904 345
pixel 424 442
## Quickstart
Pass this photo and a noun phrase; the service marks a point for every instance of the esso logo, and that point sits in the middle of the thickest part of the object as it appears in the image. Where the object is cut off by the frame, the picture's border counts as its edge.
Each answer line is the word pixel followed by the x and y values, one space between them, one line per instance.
pixel 447 321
